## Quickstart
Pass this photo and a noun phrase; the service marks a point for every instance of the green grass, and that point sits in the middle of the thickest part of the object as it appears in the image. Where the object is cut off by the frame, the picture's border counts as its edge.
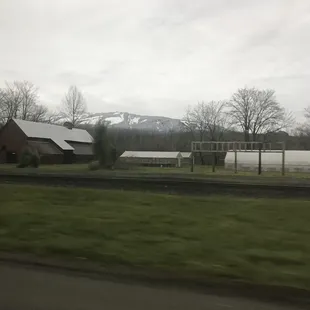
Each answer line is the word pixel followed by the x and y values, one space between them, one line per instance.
pixel 199 171
pixel 47 168
pixel 255 240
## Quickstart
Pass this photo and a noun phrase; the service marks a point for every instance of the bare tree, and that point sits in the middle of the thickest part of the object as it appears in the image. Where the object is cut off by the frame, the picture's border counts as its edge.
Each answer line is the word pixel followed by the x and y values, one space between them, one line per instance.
pixel 257 112
pixel 39 114
pixel 29 100
pixel 303 129
pixel 195 121
pixel 207 121
pixel 73 106
pixel 12 100
pixel 20 100
pixel 2 106
pixel 53 117
pixel 217 120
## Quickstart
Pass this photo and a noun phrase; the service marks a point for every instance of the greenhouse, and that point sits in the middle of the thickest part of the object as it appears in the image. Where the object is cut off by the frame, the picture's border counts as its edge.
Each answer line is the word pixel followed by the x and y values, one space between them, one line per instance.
pixel 153 158
pixel 295 161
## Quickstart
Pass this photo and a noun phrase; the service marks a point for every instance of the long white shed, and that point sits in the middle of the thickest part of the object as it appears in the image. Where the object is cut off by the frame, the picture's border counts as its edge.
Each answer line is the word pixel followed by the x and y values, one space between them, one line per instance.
pixel 295 161
pixel 155 158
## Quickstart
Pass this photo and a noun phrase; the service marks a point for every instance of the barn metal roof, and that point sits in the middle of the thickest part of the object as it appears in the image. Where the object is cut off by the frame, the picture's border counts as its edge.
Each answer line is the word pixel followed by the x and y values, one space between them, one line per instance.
pixel 44 147
pixel 58 134
pixel 82 148
pixel 142 154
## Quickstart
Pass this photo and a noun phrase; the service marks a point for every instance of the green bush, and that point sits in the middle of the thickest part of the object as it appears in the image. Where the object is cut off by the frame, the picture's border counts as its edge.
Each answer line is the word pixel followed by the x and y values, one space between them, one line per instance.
pixel 101 146
pixel 105 153
pixel 29 158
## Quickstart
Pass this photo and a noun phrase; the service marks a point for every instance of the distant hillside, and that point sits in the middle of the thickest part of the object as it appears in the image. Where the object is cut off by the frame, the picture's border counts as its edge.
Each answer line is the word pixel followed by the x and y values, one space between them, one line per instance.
pixel 134 121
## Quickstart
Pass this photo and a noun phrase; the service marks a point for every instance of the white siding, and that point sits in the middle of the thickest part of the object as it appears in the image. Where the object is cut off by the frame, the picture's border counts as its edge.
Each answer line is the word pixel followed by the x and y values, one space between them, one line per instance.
pixel 294 161
pixel 186 154
pixel 140 154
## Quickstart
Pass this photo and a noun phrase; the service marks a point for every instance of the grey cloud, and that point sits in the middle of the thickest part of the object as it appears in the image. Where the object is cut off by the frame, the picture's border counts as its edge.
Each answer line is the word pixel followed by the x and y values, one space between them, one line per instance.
pixel 156 57
pixel 278 78
pixel 180 12
pixel 79 79
pixel 265 37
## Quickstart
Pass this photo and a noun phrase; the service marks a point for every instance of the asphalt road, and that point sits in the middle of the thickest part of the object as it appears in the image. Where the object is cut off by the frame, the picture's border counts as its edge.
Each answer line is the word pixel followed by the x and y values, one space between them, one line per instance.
pixel 25 288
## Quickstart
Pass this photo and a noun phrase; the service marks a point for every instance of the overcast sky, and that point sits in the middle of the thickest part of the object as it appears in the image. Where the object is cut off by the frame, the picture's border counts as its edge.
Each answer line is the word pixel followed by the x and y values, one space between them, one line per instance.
pixel 157 56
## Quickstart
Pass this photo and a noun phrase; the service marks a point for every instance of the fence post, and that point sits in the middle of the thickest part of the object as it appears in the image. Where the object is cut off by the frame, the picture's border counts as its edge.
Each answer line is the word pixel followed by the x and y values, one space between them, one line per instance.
pixel 236 162
pixel 283 158
pixel 260 159
pixel 192 159
pixel 213 161
pixel 192 162
pixel 213 153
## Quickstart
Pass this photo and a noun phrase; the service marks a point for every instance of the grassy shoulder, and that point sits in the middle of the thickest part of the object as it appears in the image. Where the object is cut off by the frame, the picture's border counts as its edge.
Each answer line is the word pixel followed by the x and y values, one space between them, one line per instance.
pixel 199 172
pixel 254 240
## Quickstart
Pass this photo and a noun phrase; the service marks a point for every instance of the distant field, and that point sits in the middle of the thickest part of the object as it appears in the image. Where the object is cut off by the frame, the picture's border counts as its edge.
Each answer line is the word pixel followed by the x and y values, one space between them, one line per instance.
pixel 47 168
pixel 204 171
pixel 254 240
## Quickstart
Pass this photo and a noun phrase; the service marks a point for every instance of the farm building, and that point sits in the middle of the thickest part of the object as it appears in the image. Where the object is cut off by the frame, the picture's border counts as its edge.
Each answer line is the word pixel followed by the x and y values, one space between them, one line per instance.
pixel 55 144
pixel 295 161
pixel 186 158
pixel 139 158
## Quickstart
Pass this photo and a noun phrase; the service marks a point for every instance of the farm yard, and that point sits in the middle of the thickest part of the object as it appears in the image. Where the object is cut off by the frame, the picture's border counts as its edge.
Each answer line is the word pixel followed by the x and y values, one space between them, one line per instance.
pixel 262 241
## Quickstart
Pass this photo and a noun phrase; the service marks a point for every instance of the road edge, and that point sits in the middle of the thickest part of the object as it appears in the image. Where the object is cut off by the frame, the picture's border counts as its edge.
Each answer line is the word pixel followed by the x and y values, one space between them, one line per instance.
pixel 80 267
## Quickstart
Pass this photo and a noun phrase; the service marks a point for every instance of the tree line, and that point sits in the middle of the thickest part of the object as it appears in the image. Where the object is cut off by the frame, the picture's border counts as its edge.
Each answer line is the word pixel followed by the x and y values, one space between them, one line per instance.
pixel 256 113
pixel 20 99
pixel 250 114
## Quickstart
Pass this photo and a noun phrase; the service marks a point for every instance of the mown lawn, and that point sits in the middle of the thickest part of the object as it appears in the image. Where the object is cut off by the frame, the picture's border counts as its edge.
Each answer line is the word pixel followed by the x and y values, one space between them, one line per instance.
pixel 256 240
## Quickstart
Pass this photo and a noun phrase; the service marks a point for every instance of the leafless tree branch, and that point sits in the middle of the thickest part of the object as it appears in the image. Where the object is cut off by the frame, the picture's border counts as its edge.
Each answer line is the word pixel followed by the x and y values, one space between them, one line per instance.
pixel 20 100
pixel 73 107
pixel 304 128
pixel 39 114
pixel 257 112
pixel 210 120
pixel 29 99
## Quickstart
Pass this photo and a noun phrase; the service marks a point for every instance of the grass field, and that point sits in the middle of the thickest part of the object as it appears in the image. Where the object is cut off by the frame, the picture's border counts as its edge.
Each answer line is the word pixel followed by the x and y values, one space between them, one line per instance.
pixel 254 240
pixel 202 171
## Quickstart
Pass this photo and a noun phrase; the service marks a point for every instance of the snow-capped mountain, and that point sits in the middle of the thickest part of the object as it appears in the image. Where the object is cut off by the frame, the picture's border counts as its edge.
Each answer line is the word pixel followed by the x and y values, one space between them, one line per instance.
pixel 134 121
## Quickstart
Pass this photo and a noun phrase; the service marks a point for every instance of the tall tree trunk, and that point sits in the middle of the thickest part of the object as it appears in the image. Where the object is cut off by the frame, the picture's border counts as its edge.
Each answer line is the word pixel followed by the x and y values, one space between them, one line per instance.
pixel 246 135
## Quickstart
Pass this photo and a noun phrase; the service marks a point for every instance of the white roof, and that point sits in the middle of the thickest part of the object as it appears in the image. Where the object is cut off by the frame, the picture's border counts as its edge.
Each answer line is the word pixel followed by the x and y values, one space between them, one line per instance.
pixel 296 158
pixel 186 154
pixel 58 134
pixel 141 154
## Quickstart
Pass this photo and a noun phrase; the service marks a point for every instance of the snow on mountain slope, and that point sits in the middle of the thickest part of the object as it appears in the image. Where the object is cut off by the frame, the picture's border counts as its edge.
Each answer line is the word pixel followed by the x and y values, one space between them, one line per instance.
pixel 133 121
pixel 114 120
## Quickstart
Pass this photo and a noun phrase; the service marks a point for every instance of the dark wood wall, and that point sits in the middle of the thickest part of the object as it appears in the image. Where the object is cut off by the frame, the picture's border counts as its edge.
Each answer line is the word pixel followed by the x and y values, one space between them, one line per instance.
pixel 12 140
